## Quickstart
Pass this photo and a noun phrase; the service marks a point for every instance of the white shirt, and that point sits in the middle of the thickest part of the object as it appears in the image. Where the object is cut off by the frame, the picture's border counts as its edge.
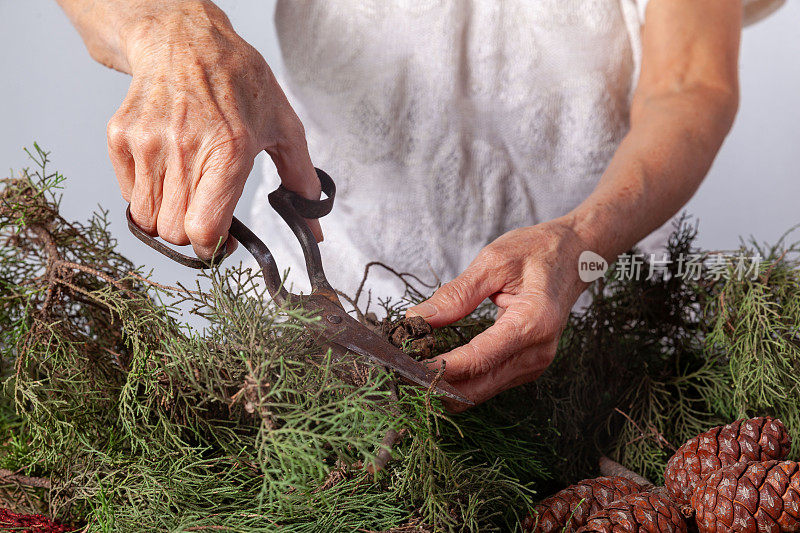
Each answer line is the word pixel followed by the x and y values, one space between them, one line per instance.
pixel 448 123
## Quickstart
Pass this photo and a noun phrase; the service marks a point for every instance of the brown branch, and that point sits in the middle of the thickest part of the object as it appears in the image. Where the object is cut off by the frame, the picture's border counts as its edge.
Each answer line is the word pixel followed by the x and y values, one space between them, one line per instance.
pixel 55 262
pixel 768 273
pixel 385 453
pixel 97 273
pixel 53 256
pixel 359 314
pixel 613 468
pixel 401 275
pixel 168 288
pixel 78 290
pixel 28 481
pixel 429 412
pixel 724 312
pixel 50 247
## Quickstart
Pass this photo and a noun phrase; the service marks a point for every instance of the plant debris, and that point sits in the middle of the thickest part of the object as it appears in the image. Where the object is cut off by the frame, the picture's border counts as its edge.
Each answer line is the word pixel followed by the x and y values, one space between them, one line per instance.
pixel 411 334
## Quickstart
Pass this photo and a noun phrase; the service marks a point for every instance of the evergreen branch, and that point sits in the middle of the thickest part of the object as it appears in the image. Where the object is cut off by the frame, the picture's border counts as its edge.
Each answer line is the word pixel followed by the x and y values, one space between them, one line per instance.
pixel 144 424
pixel 8 476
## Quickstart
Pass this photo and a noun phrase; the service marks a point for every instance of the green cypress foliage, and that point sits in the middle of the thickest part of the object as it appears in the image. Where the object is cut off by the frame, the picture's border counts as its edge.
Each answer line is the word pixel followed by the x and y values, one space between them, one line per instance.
pixel 122 418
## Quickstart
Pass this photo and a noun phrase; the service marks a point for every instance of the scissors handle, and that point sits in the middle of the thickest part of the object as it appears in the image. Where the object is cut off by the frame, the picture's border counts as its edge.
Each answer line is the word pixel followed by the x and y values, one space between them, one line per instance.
pixel 294 209
pixel 163 249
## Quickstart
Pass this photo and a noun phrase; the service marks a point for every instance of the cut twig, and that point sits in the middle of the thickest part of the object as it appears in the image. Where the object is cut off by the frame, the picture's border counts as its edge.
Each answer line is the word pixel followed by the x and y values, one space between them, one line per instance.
pixel 361 317
pixel 8 476
pixel 168 288
pixel 613 468
pixel 385 453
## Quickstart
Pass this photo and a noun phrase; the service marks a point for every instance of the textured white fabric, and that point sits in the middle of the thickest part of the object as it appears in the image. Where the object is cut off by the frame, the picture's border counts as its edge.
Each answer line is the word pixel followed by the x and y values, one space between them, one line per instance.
pixel 447 123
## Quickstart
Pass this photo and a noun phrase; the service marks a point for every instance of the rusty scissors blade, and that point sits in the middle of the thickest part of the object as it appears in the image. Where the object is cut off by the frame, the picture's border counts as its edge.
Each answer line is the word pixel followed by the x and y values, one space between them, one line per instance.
pixel 339 328
pixel 336 326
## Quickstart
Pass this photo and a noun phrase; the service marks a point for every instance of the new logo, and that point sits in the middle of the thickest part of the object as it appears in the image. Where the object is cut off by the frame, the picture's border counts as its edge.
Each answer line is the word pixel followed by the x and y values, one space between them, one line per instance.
pixel 591 266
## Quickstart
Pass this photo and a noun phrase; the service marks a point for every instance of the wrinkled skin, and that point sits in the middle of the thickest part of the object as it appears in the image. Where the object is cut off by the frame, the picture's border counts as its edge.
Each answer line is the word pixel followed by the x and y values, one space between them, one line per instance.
pixel 202 103
pixel 683 107
pixel 534 293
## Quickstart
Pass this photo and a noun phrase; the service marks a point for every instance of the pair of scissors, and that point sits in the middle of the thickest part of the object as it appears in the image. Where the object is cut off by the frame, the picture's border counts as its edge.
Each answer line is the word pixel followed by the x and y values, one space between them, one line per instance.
pixel 335 329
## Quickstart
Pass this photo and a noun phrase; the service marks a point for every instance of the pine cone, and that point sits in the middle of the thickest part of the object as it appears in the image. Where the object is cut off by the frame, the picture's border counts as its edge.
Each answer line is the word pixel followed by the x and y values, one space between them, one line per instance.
pixel 646 511
pixel 757 439
pixel 757 497
pixel 572 506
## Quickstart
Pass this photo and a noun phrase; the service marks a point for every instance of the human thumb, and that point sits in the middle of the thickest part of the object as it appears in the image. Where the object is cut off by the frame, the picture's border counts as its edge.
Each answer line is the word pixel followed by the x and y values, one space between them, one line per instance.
pixel 458 298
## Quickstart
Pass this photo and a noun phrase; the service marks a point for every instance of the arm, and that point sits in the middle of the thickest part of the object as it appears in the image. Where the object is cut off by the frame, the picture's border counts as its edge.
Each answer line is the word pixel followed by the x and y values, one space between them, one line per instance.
pixel 683 107
pixel 201 105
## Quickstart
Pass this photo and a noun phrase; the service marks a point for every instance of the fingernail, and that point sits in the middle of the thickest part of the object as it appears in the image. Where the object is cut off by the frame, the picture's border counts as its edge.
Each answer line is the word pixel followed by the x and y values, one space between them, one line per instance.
pixel 425 310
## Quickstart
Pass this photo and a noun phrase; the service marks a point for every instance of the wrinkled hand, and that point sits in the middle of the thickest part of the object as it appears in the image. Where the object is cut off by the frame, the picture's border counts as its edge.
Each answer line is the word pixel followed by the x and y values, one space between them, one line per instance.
pixel 201 105
pixel 531 274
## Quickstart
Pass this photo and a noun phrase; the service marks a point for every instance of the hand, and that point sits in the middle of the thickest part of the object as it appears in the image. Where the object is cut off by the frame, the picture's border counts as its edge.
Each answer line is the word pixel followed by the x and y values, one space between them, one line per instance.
pixel 531 274
pixel 201 105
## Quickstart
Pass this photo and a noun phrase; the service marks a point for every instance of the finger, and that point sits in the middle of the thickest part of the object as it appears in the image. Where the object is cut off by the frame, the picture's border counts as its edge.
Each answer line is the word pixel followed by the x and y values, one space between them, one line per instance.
pixel 147 188
pixel 528 321
pixel 290 155
pixel 121 158
pixel 231 245
pixel 458 298
pixel 175 202
pixel 487 350
pixel 211 206
pixel 524 367
pixel 501 300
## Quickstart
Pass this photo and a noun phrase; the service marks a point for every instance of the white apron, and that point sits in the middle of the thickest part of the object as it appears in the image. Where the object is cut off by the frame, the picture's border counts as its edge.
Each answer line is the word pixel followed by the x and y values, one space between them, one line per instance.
pixel 448 123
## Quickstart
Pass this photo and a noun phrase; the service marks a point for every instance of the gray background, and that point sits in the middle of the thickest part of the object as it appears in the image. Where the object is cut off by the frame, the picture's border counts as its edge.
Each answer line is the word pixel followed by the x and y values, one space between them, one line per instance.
pixel 52 92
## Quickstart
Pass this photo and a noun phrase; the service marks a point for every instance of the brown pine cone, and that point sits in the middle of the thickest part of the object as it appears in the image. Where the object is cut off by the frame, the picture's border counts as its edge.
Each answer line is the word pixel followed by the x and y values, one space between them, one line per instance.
pixel 757 439
pixel 645 511
pixel 571 507
pixel 757 497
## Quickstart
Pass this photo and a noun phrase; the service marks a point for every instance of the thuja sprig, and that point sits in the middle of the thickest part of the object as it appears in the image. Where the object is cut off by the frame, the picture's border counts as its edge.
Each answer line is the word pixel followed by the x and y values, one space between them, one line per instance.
pixel 141 423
